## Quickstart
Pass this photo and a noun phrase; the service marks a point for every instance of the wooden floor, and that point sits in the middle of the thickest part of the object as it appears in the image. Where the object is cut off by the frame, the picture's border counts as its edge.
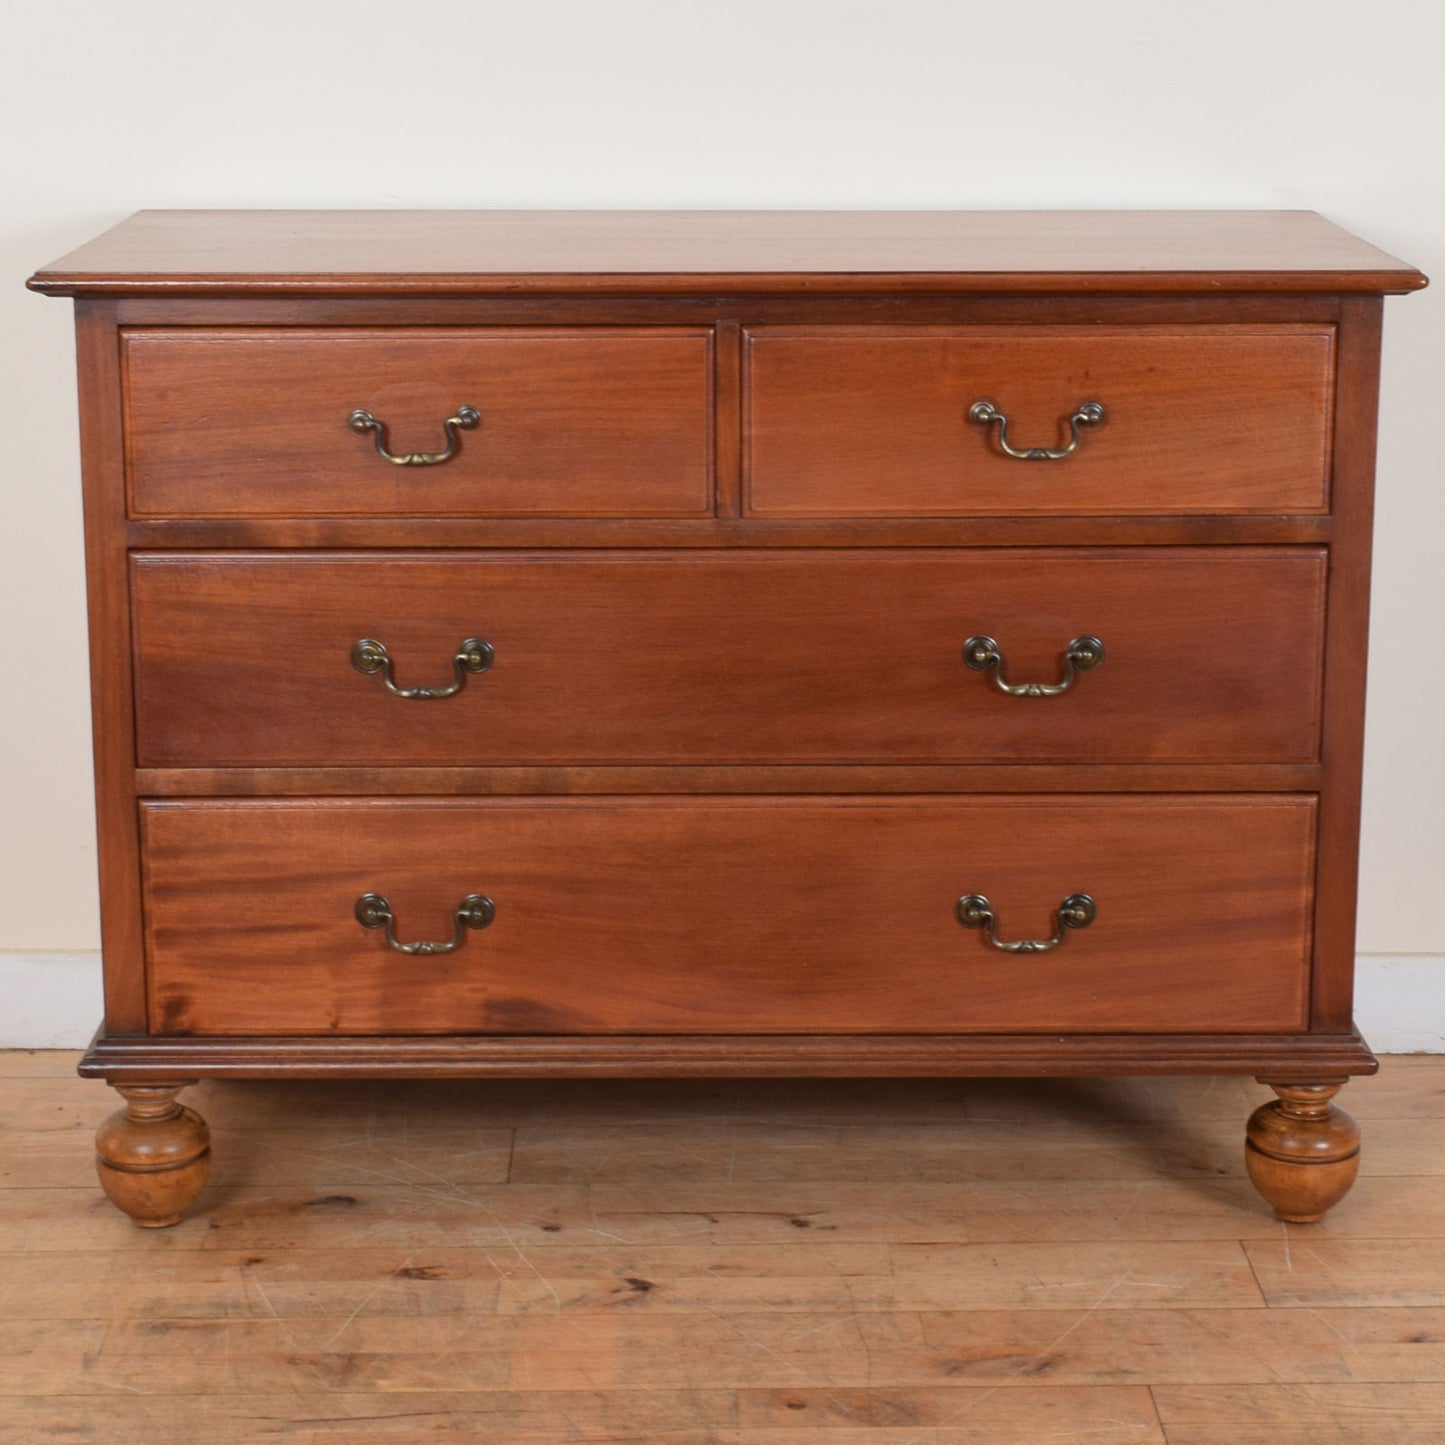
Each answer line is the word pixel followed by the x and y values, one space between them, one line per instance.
pixel 822 1263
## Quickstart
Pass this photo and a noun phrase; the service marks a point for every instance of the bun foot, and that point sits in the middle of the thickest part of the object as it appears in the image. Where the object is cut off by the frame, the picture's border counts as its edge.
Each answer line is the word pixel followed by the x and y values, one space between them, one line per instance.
pixel 1302 1152
pixel 153 1156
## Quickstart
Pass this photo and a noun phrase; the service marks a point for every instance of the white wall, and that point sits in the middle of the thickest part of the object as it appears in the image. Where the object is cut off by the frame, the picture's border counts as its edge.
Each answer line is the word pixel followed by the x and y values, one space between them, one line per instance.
pixel 662 103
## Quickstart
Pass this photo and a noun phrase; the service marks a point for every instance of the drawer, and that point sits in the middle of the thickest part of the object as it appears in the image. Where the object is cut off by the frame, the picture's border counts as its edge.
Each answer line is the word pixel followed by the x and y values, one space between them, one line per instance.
pixel 720 916
pixel 1210 655
pixel 875 421
pixel 572 423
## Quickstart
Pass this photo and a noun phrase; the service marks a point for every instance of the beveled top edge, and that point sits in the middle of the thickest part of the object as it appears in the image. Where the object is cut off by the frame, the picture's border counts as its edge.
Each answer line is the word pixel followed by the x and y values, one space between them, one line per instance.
pixel 692 253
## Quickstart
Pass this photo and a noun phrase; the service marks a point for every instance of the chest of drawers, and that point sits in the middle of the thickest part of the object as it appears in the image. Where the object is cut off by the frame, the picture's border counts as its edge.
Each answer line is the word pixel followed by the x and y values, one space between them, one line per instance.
pixel 666 644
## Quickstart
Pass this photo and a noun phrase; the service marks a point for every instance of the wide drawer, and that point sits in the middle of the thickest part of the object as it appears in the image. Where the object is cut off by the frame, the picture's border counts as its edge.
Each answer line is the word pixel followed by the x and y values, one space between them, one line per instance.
pixel 727 915
pixel 570 423
pixel 875 421
pixel 1209 655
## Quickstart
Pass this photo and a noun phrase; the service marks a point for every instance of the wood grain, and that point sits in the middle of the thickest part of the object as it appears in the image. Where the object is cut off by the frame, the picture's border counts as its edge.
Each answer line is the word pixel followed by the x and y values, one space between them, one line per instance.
pixel 728 657
pixel 774 532
pixel 286 1156
pixel 792 309
pixel 111 677
pixel 874 421
pixel 234 422
pixel 1347 647
pixel 1050 1148
pixel 727 916
pixel 771 1056
pixel 1222 338
pixel 771 778
pixel 1006 1349
pixel 1307 1274
pixel 153 1156
pixel 1015 1210
pixel 456 1115
pixel 719 252
pixel 1302 1150
pixel 638 1416
pixel 1344 1413
pixel 607 1279
pixel 453 1143
pixel 603 1282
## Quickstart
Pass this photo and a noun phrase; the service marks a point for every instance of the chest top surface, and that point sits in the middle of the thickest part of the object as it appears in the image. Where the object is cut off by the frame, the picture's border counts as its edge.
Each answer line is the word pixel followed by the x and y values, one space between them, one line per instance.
pixel 743 252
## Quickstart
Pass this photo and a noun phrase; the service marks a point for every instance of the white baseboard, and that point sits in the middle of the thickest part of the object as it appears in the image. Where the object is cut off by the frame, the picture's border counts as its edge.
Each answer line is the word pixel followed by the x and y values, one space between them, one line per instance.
pixel 53 1001
pixel 49 1000
pixel 1400 1002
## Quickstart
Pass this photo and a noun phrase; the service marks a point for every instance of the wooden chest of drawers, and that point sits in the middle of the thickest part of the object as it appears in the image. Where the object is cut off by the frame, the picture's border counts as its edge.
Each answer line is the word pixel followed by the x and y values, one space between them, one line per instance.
pixel 603 644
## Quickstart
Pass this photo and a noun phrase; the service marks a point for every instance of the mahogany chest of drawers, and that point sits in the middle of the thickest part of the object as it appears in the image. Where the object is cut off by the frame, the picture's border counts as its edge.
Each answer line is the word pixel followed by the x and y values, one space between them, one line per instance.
pixel 680 643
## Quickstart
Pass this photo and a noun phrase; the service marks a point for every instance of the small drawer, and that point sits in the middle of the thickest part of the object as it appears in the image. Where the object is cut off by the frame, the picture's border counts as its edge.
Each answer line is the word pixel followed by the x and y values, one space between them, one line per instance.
pixel 722 916
pixel 857 656
pixel 562 423
pixel 882 421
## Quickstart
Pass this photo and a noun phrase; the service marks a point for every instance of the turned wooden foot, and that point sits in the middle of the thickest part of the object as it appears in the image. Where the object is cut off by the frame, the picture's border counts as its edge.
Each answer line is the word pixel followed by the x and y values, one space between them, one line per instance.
pixel 1302 1152
pixel 153 1156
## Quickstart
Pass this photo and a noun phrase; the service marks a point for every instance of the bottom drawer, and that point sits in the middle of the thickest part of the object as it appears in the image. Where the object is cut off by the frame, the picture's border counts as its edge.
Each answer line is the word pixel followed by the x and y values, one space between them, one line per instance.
pixel 728 915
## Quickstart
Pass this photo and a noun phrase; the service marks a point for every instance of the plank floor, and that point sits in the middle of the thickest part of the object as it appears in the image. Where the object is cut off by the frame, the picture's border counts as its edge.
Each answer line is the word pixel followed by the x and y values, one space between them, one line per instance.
pixel 723 1263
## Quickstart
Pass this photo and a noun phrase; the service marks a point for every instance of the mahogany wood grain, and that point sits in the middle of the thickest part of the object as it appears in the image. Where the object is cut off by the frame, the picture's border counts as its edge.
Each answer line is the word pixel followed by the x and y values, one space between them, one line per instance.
pixel 729 915
pixel 315 533
pixel 251 423
pixel 718 657
pixel 682 778
pixel 111 681
pixel 798 308
pixel 735 849
pixel 1346 650
pixel 868 421
pixel 777 1056
pixel 714 252
pixel 727 420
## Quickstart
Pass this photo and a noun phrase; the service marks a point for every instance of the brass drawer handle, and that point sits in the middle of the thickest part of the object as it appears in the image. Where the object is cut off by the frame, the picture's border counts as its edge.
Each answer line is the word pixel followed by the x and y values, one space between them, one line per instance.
pixel 466 419
pixel 1076 911
pixel 1087 413
pixel 474 911
pixel 473 656
pixel 1083 654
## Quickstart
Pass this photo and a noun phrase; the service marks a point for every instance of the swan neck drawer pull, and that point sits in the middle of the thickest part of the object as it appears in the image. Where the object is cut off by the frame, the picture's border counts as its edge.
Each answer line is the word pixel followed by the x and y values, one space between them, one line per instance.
pixel 1087 413
pixel 371 657
pixel 474 911
pixel 1083 654
pixel 466 419
pixel 1076 911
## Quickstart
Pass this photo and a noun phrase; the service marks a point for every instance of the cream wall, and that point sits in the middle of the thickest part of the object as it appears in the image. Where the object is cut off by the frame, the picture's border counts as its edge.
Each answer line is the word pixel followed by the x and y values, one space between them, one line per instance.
pixel 668 103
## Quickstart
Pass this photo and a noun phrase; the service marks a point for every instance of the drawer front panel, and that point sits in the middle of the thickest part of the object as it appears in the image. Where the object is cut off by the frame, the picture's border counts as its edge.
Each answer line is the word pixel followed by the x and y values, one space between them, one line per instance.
pixel 745 657
pixel 728 915
pixel 875 421
pixel 254 423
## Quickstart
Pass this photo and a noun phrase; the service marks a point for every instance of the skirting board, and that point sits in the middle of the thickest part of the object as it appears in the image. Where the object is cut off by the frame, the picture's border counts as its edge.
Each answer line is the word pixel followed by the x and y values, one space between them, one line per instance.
pixel 52 1001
